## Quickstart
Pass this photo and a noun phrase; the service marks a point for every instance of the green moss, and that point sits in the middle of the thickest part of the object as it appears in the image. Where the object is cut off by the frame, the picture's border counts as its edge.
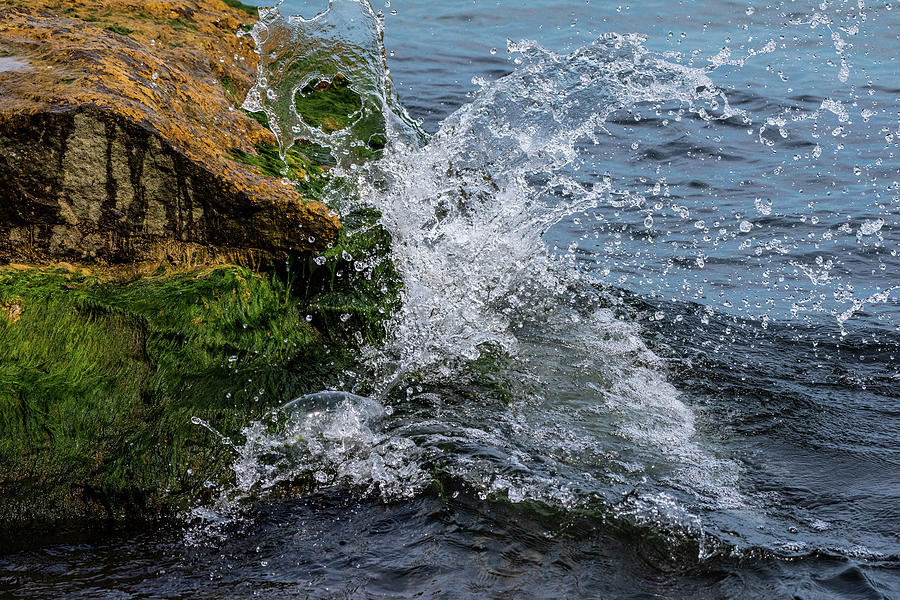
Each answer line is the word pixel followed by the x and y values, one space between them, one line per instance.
pixel 352 289
pixel 250 10
pixel 328 105
pixel 267 160
pixel 333 106
pixel 260 117
pixel 229 86
pixel 119 30
pixel 305 163
pixel 99 382
pixel 180 23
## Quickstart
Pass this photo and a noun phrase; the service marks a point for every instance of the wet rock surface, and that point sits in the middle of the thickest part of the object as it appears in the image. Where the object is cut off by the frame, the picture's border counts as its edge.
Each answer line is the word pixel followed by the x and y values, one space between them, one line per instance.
pixel 141 216
pixel 118 127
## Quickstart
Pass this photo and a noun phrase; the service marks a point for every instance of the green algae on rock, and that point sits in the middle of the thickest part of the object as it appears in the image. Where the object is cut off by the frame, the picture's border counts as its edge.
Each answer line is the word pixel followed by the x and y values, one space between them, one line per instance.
pixel 105 368
pixel 99 380
pixel 333 105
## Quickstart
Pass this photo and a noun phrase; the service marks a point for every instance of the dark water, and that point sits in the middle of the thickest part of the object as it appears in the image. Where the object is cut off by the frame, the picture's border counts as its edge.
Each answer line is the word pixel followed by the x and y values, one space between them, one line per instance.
pixel 652 353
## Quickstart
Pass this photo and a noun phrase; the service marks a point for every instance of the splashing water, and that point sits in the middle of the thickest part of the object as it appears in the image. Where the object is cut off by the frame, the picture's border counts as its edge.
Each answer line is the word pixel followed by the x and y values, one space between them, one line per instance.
pixel 315 441
pixel 585 417
pixel 469 210
pixel 343 41
pixel 467 214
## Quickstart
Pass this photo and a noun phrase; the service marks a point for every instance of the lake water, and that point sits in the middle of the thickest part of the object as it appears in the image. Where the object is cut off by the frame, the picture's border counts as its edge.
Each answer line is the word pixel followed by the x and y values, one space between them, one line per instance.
pixel 650 344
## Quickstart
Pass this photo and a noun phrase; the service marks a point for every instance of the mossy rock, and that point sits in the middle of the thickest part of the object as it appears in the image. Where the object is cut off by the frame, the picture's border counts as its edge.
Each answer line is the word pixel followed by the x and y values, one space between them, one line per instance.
pixel 333 105
pixel 353 288
pixel 100 380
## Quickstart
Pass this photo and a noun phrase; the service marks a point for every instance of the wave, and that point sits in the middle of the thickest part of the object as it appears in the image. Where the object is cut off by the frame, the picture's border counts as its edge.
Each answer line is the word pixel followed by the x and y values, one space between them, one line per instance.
pixel 507 369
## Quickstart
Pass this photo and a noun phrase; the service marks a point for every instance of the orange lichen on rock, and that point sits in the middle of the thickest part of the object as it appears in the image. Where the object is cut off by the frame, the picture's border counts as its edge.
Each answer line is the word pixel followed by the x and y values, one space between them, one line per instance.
pixel 12 309
pixel 116 122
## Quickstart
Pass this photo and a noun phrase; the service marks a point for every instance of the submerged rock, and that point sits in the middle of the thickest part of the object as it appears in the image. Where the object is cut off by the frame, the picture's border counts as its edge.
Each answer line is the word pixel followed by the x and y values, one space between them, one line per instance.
pixel 118 131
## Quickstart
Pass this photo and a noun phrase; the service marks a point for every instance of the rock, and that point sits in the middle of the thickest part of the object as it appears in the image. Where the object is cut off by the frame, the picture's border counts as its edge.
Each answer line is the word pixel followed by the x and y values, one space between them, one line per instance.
pixel 102 376
pixel 118 131
pixel 100 380
pixel 137 180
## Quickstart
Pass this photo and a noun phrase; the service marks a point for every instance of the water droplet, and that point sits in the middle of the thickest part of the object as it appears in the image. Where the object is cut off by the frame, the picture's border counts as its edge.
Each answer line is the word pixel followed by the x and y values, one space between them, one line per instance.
pixel 871 227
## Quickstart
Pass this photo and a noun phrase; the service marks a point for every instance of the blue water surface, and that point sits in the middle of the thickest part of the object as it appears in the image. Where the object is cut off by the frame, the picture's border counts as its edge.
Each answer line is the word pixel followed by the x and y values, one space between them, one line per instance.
pixel 746 257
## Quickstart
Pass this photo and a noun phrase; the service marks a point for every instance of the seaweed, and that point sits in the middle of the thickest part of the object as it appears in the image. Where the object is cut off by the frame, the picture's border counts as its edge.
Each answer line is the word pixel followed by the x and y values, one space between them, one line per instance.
pixel 250 10
pixel 118 29
pixel 99 382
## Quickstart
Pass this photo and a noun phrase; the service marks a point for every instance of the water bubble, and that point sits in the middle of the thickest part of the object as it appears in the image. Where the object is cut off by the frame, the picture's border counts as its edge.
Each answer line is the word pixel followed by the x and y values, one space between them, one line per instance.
pixel 764 207
pixel 746 226
pixel 871 227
